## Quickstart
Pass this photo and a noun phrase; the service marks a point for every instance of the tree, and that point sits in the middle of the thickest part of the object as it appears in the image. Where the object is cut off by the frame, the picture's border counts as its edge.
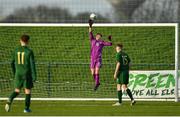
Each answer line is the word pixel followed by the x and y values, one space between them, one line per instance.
pixel 157 11
pixel 1 12
pixel 41 14
pixel 124 9
pixel 146 10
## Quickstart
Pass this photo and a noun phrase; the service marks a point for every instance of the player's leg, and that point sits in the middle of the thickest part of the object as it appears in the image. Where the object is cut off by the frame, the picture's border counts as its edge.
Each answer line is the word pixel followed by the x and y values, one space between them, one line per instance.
pixel 119 90
pixel 119 95
pixel 93 73
pixel 28 85
pixel 27 100
pixel 120 81
pixel 97 78
pixel 18 83
pixel 92 67
pixel 97 69
pixel 129 93
pixel 125 81
pixel 13 95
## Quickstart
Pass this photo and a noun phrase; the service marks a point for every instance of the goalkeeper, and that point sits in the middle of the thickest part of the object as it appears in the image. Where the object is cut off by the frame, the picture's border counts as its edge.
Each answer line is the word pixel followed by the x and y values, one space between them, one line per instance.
pixel 23 67
pixel 97 45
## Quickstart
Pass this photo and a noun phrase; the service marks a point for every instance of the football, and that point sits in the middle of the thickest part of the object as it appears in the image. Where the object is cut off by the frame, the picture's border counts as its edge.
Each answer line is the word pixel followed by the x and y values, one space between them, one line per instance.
pixel 92 16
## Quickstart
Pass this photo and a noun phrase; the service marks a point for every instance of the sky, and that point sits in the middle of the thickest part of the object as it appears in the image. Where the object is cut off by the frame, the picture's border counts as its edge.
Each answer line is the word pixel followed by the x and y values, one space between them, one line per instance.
pixel 74 6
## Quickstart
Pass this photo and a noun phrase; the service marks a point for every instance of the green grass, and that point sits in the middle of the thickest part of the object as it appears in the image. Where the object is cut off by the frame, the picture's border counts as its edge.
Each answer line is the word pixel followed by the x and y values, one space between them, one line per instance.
pixel 93 108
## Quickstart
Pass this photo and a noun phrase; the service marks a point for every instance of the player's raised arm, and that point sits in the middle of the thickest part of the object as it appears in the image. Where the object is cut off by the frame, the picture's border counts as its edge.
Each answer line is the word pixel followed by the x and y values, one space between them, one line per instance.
pixel 105 43
pixel 91 37
pixel 33 67
pixel 13 63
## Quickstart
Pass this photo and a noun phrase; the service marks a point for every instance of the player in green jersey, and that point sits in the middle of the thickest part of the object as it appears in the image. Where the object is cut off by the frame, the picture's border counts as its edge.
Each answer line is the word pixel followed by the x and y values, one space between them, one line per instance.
pixel 23 67
pixel 121 74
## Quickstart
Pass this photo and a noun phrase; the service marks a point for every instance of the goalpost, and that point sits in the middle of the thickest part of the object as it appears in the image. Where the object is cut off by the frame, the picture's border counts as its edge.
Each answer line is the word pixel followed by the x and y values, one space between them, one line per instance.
pixel 62 60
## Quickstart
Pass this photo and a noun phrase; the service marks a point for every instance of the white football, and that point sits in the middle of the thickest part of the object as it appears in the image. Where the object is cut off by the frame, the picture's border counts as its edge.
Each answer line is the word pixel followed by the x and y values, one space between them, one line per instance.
pixel 92 16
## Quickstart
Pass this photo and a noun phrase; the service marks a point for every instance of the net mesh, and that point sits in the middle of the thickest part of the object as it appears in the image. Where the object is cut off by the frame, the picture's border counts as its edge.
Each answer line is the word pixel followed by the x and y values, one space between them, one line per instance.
pixel 63 55
pixel 179 62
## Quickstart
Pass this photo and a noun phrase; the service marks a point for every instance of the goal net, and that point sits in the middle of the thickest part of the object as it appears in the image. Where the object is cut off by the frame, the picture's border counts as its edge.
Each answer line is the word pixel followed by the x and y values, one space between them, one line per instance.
pixel 62 53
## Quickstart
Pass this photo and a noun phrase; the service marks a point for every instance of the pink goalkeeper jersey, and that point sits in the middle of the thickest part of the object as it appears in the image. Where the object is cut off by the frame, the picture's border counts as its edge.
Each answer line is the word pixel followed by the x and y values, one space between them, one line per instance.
pixel 97 47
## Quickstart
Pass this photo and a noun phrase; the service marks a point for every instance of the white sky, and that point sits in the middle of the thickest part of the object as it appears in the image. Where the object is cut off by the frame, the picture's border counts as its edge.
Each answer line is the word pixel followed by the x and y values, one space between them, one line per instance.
pixel 74 6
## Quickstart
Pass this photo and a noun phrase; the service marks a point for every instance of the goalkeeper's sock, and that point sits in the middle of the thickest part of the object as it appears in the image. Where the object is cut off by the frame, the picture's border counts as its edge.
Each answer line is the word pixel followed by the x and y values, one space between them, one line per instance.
pixel 27 101
pixel 97 79
pixel 120 96
pixel 12 96
pixel 129 94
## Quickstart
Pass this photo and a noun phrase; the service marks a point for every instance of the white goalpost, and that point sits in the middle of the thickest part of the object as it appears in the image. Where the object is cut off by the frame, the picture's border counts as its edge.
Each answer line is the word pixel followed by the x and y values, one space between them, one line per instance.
pixel 176 62
pixel 65 78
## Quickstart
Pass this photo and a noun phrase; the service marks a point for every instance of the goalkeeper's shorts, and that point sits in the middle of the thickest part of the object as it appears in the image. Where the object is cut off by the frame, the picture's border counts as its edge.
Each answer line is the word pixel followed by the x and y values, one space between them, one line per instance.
pixel 96 64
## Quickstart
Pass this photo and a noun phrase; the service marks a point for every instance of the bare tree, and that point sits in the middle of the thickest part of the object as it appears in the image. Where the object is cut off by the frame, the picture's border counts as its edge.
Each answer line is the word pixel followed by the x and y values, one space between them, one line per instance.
pixel 157 11
pixel 123 9
pixel 45 14
pixel 1 12
pixel 39 14
pixel 146 10
pixel 179 13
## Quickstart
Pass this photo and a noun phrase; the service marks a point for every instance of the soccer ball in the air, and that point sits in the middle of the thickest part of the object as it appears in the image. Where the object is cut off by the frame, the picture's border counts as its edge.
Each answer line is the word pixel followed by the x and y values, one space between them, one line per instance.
pixel 92 16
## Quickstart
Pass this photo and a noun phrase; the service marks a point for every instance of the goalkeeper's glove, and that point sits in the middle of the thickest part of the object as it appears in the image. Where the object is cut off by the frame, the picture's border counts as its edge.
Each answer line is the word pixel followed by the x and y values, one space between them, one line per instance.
pixel 110 38
pixel 90 23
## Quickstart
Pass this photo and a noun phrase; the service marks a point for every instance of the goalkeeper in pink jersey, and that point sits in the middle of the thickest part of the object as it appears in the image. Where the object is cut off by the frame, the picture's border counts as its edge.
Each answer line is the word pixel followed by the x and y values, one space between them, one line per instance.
pixel 97 45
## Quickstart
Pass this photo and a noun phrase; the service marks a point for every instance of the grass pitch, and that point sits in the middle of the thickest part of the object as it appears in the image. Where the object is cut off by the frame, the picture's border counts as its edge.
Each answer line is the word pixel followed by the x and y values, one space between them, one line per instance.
pixel 92 108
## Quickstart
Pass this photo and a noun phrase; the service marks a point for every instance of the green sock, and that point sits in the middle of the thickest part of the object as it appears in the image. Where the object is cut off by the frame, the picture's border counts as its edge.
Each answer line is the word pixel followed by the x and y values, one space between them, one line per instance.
pixel 27 101
pixel 120 96
pixel 12 96
pixel 129 94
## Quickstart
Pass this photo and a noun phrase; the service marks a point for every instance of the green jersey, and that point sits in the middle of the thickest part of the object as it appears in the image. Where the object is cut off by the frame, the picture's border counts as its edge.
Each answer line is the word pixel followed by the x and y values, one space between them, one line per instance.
pixel 124 60
pixel 23 64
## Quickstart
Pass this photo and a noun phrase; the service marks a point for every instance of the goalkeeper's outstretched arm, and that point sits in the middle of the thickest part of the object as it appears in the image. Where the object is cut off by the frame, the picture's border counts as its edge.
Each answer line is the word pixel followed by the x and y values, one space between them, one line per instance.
pixel 91 37
pixel 105 43
pixel 90 29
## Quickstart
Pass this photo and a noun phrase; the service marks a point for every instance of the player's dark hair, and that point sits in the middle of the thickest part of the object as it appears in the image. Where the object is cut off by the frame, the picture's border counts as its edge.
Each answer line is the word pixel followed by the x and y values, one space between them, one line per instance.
pixel 120 45
pixel 99 34
pixel 25 38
